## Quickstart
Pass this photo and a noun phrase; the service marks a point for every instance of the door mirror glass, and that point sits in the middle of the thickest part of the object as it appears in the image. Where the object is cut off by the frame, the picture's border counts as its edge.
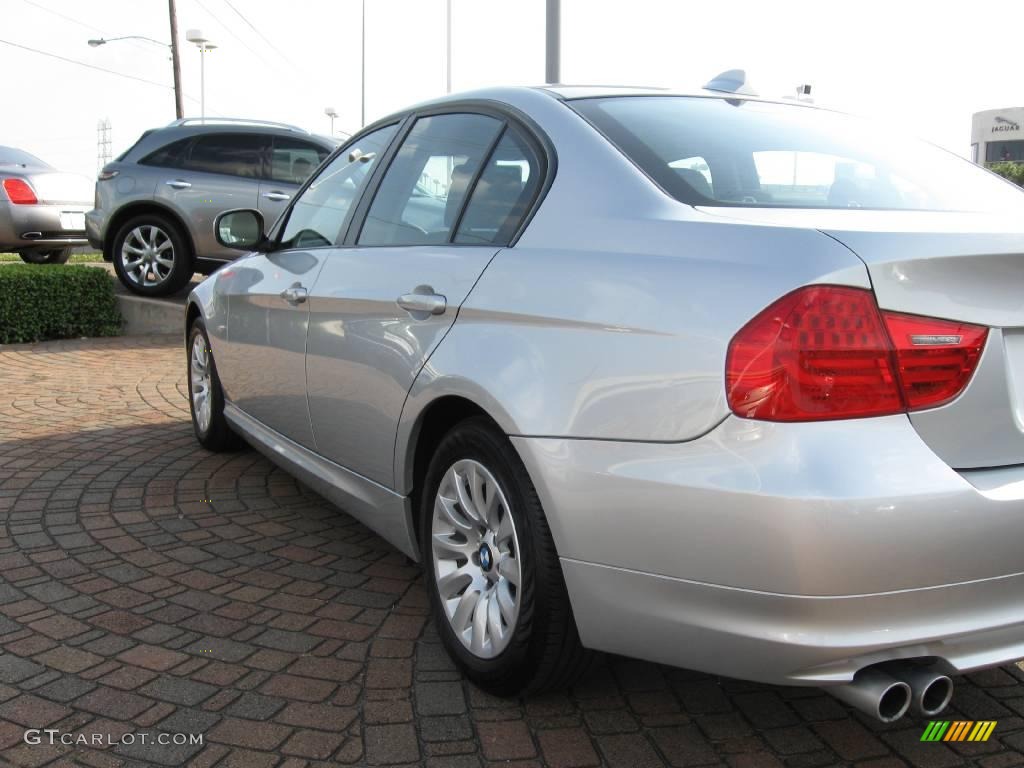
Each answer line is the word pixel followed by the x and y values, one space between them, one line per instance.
pixel 242 230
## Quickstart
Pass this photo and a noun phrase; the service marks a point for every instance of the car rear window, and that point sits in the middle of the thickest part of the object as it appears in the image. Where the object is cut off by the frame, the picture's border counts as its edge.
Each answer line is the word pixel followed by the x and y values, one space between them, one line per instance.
pixel 735 152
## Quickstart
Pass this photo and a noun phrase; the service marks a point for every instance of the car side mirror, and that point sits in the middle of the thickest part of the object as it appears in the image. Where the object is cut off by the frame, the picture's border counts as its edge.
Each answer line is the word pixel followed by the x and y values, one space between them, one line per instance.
pixel 241 229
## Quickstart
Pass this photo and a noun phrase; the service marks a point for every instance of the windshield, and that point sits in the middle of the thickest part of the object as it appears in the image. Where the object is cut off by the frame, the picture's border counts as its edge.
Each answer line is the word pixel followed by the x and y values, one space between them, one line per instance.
pixel 728 152
pixel 11 156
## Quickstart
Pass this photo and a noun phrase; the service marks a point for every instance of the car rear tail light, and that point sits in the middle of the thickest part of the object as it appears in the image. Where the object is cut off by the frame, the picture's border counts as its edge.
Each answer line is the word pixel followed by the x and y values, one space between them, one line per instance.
pixel 19 192
pixel 106 175
pixel 935 357
pixel 828 352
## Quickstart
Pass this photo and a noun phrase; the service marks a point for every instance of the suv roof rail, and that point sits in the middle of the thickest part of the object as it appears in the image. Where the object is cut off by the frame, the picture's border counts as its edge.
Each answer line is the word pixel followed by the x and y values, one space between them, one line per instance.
pixel 234 121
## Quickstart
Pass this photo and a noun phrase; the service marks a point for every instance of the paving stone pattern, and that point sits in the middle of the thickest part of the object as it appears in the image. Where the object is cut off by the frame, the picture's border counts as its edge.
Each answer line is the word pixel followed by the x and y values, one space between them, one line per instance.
pixel 149 586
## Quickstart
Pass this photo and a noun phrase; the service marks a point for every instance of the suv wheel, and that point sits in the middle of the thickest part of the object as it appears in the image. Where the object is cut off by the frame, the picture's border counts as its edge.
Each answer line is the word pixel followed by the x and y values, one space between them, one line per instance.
pixel 152 256
pixel 497 592
pixel 54 256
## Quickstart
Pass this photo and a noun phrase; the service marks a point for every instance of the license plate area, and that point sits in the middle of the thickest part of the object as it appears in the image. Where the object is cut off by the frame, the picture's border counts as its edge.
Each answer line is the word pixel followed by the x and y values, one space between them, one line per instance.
pixel 72 220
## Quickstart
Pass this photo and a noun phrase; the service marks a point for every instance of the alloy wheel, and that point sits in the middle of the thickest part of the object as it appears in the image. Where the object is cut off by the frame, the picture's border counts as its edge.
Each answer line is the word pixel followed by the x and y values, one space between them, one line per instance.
pixel 199 373
pixel 477 568
pixel 147 255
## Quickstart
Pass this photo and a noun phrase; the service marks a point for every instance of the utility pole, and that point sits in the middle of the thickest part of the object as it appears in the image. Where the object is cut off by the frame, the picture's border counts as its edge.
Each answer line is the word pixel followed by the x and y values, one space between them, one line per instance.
pixel 553 42
pixel 175 59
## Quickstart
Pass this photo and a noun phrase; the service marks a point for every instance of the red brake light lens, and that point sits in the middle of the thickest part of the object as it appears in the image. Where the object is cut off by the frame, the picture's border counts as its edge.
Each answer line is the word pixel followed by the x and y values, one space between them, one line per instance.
pixel 19 192
pixel 824 352
pixel 936 358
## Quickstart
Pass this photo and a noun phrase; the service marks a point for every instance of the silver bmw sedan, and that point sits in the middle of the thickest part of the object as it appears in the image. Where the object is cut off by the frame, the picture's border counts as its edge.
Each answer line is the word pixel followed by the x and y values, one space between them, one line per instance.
pixel 705 379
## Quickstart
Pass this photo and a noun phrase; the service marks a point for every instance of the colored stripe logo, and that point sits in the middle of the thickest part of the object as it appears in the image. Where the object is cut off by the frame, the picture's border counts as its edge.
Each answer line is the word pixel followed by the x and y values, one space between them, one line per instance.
pixel 958 730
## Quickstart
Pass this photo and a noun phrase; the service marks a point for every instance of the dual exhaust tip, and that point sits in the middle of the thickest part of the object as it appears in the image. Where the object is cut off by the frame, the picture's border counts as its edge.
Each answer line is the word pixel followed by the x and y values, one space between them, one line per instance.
pixel 887 693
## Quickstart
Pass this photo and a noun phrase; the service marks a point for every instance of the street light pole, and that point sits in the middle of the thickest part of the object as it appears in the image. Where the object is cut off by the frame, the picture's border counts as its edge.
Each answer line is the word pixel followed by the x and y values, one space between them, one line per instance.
pixel 448 46
pixel 362 73
pixel 179 107
pixel 553 42
pixel 205 46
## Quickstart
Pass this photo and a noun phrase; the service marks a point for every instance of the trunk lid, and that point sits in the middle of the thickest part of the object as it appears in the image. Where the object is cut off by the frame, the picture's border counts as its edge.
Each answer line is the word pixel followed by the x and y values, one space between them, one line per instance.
pixel 957 266
pixel 56 187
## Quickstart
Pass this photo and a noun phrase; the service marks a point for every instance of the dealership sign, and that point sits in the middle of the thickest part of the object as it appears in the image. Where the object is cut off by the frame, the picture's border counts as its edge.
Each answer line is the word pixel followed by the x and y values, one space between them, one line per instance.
pixel 1004 124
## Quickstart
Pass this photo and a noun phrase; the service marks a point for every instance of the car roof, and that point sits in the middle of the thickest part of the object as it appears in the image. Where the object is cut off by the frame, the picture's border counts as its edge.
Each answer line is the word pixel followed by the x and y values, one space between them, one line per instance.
pixel 565 92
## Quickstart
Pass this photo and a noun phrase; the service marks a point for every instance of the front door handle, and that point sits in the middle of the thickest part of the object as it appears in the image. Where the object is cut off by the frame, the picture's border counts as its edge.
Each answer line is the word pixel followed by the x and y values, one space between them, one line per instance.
pixel 431 303
pixel 178 184
pixel 277 196
pixel 296 294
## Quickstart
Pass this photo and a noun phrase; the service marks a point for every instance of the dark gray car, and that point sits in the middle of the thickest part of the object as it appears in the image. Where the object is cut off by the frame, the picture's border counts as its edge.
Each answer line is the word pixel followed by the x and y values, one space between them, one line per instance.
pixel 156 203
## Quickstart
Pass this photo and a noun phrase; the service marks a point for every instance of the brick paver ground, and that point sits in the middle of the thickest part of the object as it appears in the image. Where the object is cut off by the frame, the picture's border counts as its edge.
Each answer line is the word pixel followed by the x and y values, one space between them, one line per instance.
pixel 149 586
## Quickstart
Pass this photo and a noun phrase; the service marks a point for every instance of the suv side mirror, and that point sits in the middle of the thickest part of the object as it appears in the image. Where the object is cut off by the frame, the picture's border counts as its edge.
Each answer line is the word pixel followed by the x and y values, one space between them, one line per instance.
pixel 241 229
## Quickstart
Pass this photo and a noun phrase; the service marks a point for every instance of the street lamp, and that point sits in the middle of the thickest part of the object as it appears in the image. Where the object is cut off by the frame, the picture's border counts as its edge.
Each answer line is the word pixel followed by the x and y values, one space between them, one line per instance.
pixel 97 42
pixel 332 113
pixel 195 36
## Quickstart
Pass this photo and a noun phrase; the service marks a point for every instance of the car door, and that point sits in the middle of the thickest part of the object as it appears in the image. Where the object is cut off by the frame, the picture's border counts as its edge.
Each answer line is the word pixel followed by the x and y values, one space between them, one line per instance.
pixel 384 301
pixel 291 162
pixel 268 312
pixel 218 172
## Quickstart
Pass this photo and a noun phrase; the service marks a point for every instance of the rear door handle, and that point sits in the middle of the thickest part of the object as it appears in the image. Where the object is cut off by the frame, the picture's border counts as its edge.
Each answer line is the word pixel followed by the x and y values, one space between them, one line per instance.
pixel 178 184
pixel 277 196
pixel 431 303
pixel 295 295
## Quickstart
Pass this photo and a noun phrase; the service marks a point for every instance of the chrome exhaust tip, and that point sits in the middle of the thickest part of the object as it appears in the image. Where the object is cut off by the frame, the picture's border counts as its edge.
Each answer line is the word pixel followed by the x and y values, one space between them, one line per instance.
pixel 875 693
pixel 930 690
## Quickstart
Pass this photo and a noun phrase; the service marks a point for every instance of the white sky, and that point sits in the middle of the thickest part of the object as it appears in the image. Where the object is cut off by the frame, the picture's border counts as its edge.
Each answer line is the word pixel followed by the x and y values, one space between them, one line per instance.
pixel 924 67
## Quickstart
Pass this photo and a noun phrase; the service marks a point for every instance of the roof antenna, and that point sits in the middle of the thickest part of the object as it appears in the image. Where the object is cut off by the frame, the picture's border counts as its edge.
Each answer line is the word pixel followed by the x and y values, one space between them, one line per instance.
pixel 731 81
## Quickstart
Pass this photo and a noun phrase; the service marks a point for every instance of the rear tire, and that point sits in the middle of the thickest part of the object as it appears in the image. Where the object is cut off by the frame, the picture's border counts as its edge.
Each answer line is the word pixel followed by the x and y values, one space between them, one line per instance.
pixel 205 395
pixel 54 256
pixel 152 256
pixel 539 649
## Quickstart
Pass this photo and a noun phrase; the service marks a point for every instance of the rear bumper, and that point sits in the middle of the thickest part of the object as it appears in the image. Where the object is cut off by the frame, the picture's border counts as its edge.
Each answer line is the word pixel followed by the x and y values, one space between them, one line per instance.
pixel 792 639
pixel 94 226
pixel 25 227
pixel 786 553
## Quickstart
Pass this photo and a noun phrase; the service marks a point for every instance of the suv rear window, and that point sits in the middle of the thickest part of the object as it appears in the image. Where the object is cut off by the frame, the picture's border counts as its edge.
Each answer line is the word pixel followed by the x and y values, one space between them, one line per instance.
pixel 732 152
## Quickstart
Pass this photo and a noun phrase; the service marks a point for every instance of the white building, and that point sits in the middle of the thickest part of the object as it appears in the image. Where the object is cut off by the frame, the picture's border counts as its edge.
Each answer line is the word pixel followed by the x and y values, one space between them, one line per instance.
pixel 998 134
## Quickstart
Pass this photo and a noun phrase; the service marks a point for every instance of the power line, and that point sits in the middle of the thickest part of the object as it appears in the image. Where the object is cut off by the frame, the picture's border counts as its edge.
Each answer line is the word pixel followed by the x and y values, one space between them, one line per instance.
pixel 89 66
pixel 83 64
pixel 75 21
pixel 231 32
pixel 254 29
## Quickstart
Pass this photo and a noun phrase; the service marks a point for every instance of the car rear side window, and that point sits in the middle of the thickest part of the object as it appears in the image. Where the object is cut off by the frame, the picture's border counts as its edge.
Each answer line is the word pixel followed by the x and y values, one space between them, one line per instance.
pixel 421 194
pixel 230 154
pixel 293 160
pixel 318 215
pixel 169 156
pixel 502 194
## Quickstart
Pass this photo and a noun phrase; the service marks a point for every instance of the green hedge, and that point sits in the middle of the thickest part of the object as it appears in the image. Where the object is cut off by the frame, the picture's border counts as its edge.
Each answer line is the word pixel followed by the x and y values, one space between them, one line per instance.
pixel 1012 171
pixel 56 302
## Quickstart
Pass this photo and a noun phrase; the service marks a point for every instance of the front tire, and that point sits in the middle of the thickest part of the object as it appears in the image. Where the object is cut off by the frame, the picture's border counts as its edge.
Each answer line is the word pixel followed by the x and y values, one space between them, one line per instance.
pixel 152 256
pixel 205 395
pixel 497 592
pixel 53 256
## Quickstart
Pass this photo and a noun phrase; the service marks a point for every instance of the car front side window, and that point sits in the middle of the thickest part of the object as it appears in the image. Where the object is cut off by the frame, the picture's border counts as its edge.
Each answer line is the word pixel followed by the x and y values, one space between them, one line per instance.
pixel 318 215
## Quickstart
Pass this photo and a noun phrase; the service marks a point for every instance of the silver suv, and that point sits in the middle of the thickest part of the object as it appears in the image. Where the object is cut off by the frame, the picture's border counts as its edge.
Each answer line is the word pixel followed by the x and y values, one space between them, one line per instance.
pixel 156 203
